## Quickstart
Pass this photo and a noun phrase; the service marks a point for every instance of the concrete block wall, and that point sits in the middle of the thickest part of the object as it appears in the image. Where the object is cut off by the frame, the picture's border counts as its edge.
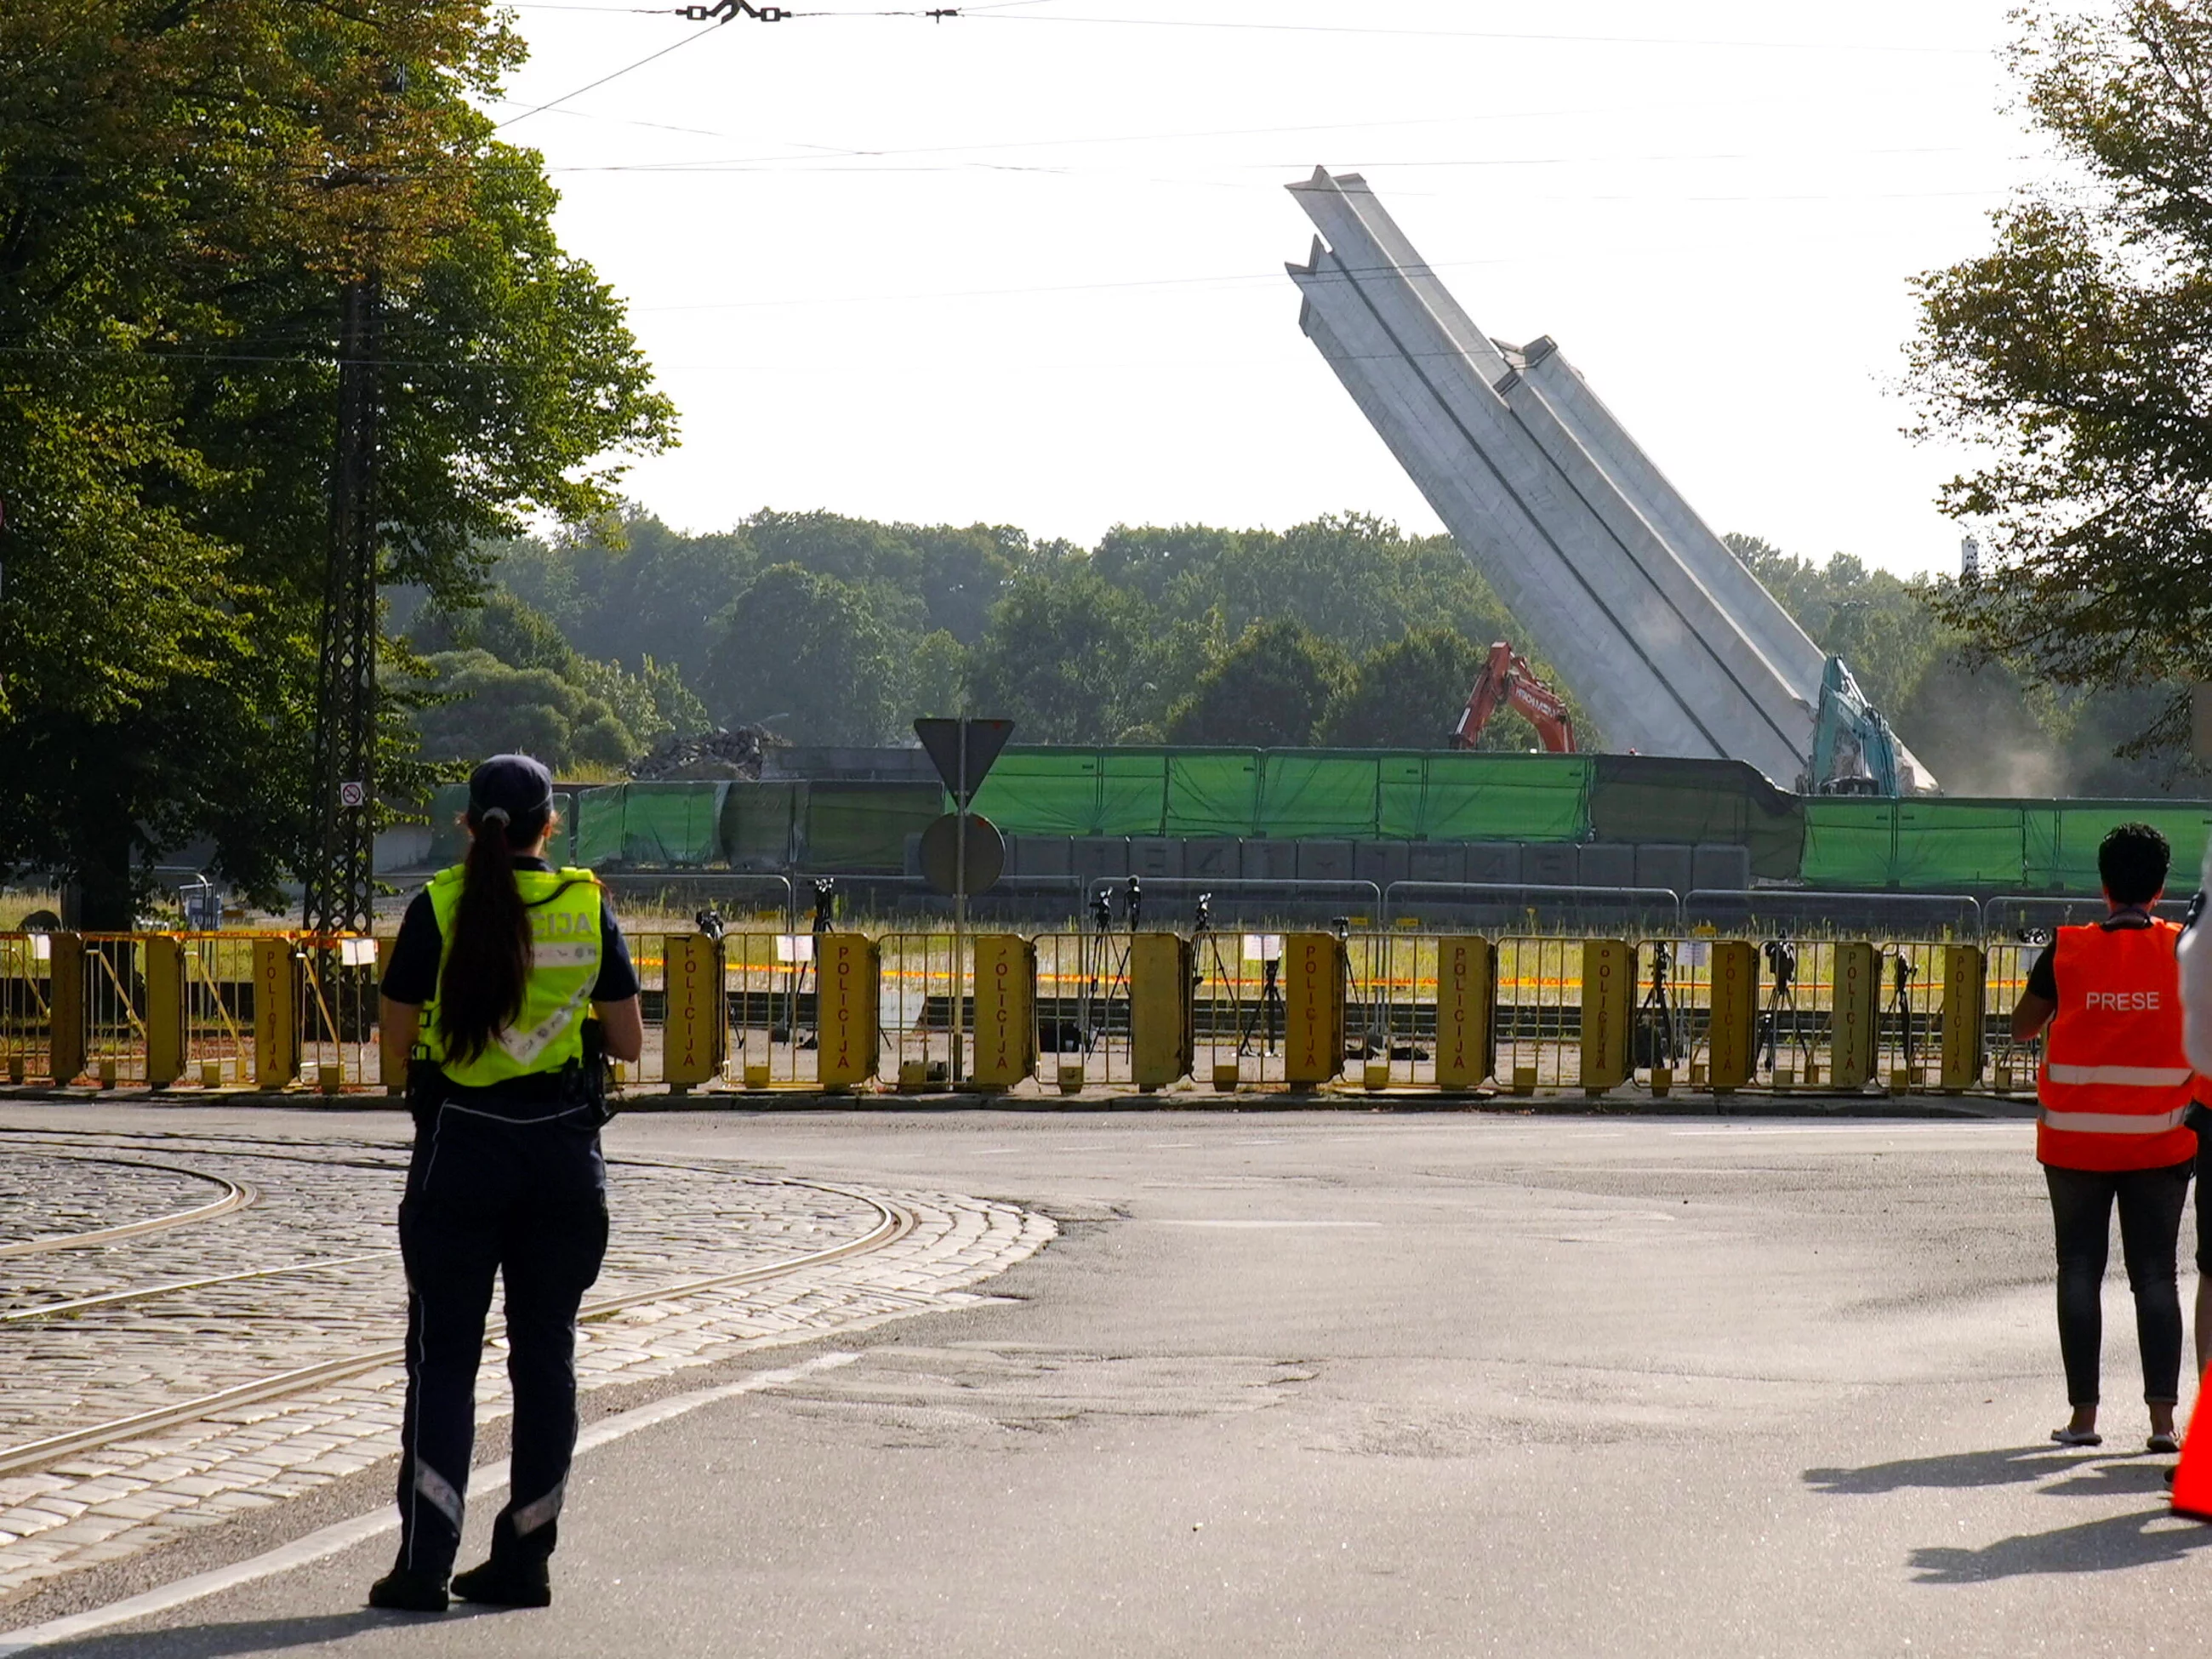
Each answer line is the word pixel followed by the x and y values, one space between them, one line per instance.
pixel 1099 858
pixel 1381 862
pixel 1440 860
pixel 1325 860
pixel 1496 863
pixel 1607 864
pixel 1155 857
pixel 1720 866
pixel 1548 863
pixel 1214 859
pixel 1665 865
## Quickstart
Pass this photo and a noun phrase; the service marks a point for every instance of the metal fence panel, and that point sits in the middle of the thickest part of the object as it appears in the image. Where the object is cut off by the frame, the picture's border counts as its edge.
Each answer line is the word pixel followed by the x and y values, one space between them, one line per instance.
pixel 26 1006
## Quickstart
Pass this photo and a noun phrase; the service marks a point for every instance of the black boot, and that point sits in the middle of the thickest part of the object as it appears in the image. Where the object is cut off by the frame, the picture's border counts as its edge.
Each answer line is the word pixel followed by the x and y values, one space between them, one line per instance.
pixel 409 1589
pixel 507 1583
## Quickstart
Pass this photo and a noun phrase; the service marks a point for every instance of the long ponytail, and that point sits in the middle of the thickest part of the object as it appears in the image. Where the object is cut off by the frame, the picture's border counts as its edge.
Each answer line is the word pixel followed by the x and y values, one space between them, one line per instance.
pixel 488 957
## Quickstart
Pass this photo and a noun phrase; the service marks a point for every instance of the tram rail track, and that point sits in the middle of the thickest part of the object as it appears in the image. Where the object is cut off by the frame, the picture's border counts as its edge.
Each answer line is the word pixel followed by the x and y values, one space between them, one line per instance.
pixel 146 1292
pixel 893 1222
pixel 236 1195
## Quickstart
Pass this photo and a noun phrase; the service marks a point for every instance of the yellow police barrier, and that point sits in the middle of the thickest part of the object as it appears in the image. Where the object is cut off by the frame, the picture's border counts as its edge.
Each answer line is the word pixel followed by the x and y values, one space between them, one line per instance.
pixel 1466 1030
pixel 275 1015
pixel 1963 1008
pixel 691 1027
pixel 846 1000
pixel 1312 995
pixel 1731 1037
pixel 1162 1031
pixel 1608 991
pixel 65 1032
pixel 1854 1001
pixel 390 1059
pixel 1005 1019
pixel 165 1010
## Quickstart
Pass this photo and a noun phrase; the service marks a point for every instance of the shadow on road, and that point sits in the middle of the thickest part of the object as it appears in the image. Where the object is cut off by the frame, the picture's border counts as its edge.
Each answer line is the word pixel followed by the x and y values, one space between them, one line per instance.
pixel 1996 1469
pixel 2118 1540
pixel 251 1636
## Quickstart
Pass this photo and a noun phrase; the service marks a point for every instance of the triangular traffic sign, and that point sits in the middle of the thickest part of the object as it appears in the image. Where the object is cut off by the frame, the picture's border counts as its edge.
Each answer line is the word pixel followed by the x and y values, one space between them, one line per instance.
pixel 986 739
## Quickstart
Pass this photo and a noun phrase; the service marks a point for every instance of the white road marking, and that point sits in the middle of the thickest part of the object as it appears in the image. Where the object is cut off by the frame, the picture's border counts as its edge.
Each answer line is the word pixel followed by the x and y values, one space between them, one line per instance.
pixel 1978 1124
pixel 1246 1224
pixel 344 1535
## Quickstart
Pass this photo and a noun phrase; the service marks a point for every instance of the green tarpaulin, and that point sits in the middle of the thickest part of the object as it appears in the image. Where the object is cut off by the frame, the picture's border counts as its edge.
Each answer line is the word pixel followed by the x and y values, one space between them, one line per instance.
pixel 1042 792
pixel 1684 802
pixel 864 826
pixel 2002 846
pixel 1287 794
pixel 449 840
pixel 1477 796
pixel 659 825
pixel 758 820
pixel 2061 840
pixel 1312 794
pixel 1212 791
pixel 1132 792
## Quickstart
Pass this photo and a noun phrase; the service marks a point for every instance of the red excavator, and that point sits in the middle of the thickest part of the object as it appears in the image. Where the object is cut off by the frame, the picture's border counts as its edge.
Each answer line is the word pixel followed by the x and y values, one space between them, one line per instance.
pixel 1508 682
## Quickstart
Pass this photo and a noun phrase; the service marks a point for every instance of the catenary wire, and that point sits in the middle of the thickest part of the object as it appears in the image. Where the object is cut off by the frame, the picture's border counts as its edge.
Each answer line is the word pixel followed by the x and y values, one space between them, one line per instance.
pixel 1491 35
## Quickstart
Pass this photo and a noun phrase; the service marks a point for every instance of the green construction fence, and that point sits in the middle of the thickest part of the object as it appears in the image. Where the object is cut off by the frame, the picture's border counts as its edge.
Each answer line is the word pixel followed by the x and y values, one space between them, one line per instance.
pixel 1936 845
pixel 449 841
pixel 1286 794
pixel 2005 846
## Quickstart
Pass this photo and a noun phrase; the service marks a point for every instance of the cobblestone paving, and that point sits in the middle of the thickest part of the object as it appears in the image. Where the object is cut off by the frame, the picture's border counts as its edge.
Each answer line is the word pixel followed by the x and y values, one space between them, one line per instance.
pixel 41 1197
pixel 333 1202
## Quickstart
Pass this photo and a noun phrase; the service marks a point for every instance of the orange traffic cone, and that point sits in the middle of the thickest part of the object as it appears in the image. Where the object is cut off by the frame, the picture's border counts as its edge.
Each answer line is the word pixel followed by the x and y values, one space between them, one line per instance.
pixel 2192 1476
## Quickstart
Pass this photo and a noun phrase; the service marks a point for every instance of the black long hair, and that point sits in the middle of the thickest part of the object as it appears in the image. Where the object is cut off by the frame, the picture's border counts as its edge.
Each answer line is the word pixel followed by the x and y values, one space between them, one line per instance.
pixel 488 959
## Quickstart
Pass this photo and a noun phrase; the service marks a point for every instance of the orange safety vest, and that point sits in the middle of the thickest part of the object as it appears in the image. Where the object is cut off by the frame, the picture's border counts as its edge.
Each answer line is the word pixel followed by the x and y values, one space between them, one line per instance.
pixel 2115 1083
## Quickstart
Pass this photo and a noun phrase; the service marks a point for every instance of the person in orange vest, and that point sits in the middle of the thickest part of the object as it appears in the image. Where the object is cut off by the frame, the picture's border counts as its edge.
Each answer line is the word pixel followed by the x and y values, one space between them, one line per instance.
pixel 2115 1087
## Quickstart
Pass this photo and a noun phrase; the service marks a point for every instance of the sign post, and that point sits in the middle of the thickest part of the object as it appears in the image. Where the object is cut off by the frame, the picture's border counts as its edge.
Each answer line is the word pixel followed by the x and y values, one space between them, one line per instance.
pixel 963 752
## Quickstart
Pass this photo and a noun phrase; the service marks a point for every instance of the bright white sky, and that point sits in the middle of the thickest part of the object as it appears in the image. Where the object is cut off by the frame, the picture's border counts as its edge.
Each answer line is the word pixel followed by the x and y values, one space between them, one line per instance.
pixel 1025 266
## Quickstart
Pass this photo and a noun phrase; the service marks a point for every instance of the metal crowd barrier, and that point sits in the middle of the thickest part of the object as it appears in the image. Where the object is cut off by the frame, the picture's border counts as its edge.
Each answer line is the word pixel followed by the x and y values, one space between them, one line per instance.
pixel 211 1011
pixel 1678 1009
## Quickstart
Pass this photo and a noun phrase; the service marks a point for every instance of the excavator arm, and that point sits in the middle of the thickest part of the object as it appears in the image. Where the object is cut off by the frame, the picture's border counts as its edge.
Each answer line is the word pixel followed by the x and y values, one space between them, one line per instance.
pixel 1507 681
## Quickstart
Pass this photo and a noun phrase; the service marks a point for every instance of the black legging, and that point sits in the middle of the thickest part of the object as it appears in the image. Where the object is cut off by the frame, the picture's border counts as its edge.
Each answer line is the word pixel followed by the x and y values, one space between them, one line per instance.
pixel 2150 1225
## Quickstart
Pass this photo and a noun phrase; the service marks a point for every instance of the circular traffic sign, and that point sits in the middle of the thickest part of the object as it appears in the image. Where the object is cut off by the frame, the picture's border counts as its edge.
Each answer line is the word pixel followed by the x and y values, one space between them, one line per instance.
pixel 941 852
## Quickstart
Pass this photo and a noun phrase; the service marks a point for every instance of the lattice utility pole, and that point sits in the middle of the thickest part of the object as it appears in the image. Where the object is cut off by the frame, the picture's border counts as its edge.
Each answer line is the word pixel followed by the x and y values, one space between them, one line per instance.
pixel 341 872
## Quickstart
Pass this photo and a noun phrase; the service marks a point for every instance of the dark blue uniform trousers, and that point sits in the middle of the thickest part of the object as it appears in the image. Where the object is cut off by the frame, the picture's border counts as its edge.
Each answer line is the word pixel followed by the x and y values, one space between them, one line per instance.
pixel 524 1198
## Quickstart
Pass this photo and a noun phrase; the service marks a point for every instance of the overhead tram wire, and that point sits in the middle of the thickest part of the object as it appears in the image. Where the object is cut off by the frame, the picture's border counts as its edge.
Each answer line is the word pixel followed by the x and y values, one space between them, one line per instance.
pixel 722 11
pixel 1530 36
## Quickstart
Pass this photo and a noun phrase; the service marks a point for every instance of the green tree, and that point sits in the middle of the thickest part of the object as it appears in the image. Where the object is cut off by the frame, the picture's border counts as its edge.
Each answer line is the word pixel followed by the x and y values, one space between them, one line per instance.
pixel 624 586
pixel 806 653
pixel 936 676
pixel 1270 692
pixel 1070 658
pixel 1408 695
pixel 185 190
pixel 2073 353
pixel 488 707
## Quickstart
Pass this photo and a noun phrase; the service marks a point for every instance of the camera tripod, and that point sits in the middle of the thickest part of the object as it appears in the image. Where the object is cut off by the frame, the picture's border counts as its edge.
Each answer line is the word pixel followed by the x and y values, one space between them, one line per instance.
pixel 1782 1001
pixel 1107 964
pixel 1902 972
pixel 1656 1013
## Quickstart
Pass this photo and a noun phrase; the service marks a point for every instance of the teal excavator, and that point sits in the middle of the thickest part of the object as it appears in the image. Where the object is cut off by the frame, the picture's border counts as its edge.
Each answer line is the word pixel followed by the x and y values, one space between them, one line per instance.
pixel 1854 750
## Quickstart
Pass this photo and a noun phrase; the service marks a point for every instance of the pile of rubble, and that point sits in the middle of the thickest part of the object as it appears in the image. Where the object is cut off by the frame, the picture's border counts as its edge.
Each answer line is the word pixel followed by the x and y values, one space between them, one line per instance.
pixel 705 754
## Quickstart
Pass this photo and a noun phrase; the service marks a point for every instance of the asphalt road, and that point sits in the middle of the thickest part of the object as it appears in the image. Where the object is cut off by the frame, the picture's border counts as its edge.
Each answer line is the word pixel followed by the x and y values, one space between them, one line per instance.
pixel 1345 1383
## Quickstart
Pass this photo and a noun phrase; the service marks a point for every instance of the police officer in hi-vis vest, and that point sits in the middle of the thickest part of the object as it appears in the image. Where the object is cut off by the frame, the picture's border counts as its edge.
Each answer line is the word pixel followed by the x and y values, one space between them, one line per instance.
pixel 496 969
pixel 2115 1087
